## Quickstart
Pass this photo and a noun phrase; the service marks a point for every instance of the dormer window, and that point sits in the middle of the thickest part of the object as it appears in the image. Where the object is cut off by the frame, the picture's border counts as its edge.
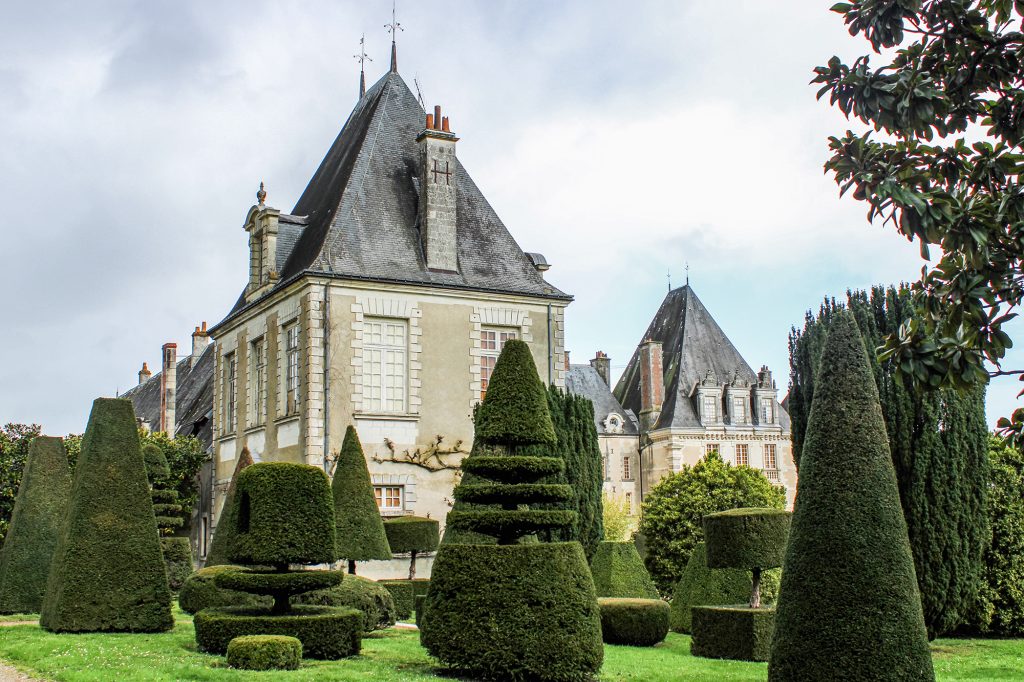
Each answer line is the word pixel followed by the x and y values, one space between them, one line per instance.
pixel 613 423
pixel 709 409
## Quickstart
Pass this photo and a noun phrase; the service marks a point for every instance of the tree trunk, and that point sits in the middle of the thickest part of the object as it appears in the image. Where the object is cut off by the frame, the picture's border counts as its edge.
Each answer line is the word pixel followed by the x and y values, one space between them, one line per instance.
pixel 412 566
pixel 755 589
pixel 351 566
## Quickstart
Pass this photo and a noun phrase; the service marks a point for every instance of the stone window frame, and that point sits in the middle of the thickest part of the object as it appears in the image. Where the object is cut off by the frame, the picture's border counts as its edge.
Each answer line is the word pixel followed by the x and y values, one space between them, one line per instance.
pixel 485 316
pixel 285 408
pixel 229 392
pixel 397 309
pixel 391 354
pixel 742 451
pixel 405 481
pixel 256 397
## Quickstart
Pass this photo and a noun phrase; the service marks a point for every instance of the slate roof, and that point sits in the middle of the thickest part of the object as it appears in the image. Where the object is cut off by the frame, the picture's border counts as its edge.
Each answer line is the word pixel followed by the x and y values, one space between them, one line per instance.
pixel 358 216
pixel 193 401
pixel 692 343
pixel 584 380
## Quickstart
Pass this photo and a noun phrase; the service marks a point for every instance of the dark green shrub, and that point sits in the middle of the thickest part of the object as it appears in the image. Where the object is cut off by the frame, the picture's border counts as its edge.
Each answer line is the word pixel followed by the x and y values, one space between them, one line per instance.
pixel 276 583
pixel 326 632
pixel 619 572
pixel 360 530
pixel 156 463
pixel 420 587
pixel 746 537
pixel 403 593
pixel 224 533
pixel 849 599
pixel 107 572
pixel 265 652
pixel 515 409
pixel 200 592
pixel 177 554
pixel 542 624
pixel 412 535
pixel 634 622
pixel 738 633
pixel 355 592
pixel 35 526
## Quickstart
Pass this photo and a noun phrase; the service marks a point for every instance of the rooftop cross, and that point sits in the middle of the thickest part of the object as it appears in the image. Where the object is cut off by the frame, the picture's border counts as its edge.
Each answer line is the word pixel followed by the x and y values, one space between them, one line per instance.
pixel 362 59
pixel 393 28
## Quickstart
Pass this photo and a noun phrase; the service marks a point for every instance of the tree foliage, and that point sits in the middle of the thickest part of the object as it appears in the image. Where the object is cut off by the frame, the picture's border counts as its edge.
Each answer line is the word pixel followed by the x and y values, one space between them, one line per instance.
pixel 674 509
pixel 360 529
pixel 14 442
pixel 938 441
pixel 185 457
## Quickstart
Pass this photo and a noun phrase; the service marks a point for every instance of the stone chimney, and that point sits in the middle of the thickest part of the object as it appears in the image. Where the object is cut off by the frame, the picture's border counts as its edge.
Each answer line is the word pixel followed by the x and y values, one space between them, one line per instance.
pixel 168 388
pixel 603 364
pixel 652 383
pixel 262 225
pixel 200 340
pixel 144 374
pixel 438 194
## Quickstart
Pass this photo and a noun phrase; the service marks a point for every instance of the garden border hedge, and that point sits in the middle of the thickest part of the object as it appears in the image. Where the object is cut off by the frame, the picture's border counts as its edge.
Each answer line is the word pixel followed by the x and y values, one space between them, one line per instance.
pixel 326 632
pixel 264 652
pixel 738 633
pixel 633 622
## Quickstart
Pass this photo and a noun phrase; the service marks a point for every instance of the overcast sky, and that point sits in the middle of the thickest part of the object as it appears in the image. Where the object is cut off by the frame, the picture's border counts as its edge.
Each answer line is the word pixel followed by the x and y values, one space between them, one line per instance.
pixel 620 144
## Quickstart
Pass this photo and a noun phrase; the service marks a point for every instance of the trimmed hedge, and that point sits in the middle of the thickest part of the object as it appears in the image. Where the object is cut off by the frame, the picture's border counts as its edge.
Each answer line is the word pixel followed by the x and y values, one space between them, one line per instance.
pixel 200 591
pixel 740 633
pixel 509 525
pixel 403 593
pixel 326 632
pixel 420 600
pixel 267 582
pixel 747 537
pixel 108 572
pixel 177 554
pixel 157 468
pixel 634 622
pixel 701 585
pixel 513 612
pixel 512 468
pixel 265 652
pixel 224 533
pixel 619 571
pixel 283 513
pixel 35 526
pixel 526 493
pixel 370 597
pixel 360 530
pixel 849 599
pixel 515 410
pixel 412 534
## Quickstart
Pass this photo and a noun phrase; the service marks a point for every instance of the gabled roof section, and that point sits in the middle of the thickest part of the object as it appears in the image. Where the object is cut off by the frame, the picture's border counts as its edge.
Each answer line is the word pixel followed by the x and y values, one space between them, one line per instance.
pixel 361 210
pixel 584 380
pixel 692 343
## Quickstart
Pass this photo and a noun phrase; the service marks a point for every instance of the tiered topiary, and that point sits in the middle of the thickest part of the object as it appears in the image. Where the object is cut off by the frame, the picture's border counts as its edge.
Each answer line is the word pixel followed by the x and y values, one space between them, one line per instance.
pixel 283 515
pixel 361 534
pixel 619 572
pixel 849 605
pixel 513 611
pixel 224 534
pixel 177 551
pixel 265 652
pixel 35 526
pixel 412 535
pixel 107 572
pixel 369 596
pixel 633 622
pixel 745 538
pixel 200 592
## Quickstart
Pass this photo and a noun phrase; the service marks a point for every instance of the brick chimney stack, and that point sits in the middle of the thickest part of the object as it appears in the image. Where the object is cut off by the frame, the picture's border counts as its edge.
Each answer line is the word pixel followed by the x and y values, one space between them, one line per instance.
pixel 144 374
pixel 200 340
pixel 652 383
pixel 603 364
pixel 168 388
pixel 438 193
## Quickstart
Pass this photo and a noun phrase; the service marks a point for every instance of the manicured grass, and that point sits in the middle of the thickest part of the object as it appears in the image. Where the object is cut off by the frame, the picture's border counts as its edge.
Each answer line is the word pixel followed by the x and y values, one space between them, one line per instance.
pixel 396 656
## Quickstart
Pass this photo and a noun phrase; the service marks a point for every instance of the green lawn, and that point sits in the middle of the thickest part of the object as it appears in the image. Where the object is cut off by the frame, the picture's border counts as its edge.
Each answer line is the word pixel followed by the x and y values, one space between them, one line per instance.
pixel 396 655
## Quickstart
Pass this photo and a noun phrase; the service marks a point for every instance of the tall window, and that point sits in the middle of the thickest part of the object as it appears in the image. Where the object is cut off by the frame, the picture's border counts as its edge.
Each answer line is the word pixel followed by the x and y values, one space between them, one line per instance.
pixel 770 463
pixel 492 340
pixel 766 411
pixel 258 385
pixel 384 368
pixel 229 392
pixel 711 447
pixel 390 498
pixel 607 475
pixel 742 455
pixel 291 368
pixel 710 409
pixel 627 474
pixel 739 409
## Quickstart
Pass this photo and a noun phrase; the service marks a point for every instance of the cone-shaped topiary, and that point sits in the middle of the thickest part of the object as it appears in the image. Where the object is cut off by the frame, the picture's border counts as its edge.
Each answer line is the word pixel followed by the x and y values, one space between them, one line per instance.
pixel 849 607
pixel 361 533
pixel 35 526
pixel 223 536
pixel 157 468
pixel 412 535
pixel 515 408
pixel 619 572
pixel 107 572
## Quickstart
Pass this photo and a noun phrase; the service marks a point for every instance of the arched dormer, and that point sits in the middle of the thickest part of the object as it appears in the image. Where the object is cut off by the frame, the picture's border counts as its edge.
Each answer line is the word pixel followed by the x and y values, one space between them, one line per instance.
pixel 262 225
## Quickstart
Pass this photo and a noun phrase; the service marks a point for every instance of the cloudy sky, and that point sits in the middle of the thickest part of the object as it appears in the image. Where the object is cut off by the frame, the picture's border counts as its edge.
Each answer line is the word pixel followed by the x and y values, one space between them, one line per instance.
pixel 622 145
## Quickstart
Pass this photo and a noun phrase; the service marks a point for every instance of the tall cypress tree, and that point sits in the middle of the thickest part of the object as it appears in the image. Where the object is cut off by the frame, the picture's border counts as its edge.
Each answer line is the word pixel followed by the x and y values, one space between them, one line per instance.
pixel 938 443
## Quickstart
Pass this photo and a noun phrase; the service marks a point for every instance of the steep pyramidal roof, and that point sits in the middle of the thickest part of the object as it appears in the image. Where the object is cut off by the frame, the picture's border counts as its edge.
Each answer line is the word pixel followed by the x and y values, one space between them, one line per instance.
pixel 359 216
pixel 585 381
pixel 692 343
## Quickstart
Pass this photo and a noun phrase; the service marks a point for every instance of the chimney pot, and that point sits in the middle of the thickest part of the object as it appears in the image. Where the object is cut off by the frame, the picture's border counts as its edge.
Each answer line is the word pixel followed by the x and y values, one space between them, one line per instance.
pixel 603 365
pixel 430 121
pixel 437 116
pixel 444 125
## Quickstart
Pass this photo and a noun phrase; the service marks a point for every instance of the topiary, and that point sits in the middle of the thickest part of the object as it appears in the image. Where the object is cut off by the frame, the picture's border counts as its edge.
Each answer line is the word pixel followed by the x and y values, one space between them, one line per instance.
pixel 265 652
pixel 404 595
pixel 619 571
pixel 177 554
pixel 370 597
pixel 224 535
pixel 199 591
pixel 326 632
pixel 515 408
pixel 849 599
pixel 107 572
pixel 412 535
pixel 634 622
pixel 738 633
pixel 360 529
pixel 35 526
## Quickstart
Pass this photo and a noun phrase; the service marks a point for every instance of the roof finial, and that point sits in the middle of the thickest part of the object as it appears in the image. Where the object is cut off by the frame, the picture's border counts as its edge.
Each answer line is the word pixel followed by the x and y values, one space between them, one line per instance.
pixel 393 28
pixel 687 273
pixel 362 59
pixel 668 276
pixel 261 195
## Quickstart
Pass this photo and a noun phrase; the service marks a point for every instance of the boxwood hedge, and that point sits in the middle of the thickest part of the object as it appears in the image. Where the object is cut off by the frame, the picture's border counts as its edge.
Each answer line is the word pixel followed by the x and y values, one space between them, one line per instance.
pixel 619 571
pixel 746 537
pixel 326 632
pixel 634 622
pixel 739 633
pixel 200 591
pixel 265 652
pixel 177 554
pixel 403 593
pixel 370 597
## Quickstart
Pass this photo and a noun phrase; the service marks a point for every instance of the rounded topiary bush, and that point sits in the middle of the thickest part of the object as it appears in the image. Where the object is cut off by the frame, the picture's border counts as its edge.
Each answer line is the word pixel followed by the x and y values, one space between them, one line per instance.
pixel 265 652
pixel 412 535
pixel 326 632
pixel 200 592
pixel 635 622
pixel 746 537
pixel 619 571
pixel 356 592
pixel 475 618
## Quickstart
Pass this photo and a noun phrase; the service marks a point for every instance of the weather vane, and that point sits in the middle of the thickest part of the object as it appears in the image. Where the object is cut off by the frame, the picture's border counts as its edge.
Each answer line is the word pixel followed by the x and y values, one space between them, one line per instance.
pixel 362 59
pixel 687 273
pixel 393 28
